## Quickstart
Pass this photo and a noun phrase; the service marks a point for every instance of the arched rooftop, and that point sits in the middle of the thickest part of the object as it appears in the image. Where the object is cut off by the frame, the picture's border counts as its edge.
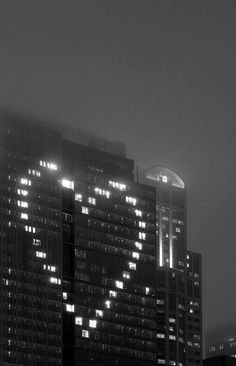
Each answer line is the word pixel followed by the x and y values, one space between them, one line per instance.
pixel 161 174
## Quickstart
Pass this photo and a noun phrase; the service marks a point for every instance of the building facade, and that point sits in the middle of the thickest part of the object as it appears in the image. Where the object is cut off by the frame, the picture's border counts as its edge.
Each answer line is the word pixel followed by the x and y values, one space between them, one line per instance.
pixel 221 340
pixel 94 264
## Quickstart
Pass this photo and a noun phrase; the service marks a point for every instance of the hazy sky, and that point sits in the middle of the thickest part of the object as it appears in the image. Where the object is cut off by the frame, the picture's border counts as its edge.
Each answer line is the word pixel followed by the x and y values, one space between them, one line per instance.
pixel 157 75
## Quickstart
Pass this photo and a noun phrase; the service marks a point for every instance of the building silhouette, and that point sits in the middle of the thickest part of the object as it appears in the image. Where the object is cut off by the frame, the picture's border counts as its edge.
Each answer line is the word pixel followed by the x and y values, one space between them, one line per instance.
pixel 94 263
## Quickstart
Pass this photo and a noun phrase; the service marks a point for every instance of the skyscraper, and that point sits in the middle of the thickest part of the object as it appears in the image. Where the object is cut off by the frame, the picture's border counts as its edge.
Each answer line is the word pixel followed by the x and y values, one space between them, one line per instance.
pixel 93 262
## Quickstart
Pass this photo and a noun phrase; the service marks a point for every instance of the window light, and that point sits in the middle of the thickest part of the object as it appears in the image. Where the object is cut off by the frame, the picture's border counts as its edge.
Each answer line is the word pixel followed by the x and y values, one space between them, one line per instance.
pixel 64 295
pixel 164 179
pixel 138 245
pixel 92 200
pixel 52 166
pixel 177 229
pixel 138 213
pixel 78 197
pixel 25 181
pixel 70 308
pixel 24 216
pixel 78 320
pixel 99 313
pixel 92 323
pixel 142 224
pixel 119 284
pixel 55 281
pixel 132 265
pixel 84 210
pixel 135 255
pixel 120 186
pixel 131 200
pixel 30 229
pixel 40 254
pixel 160 335
pixel 67 183
pixel 112 293
pixel 85 333
pixel 102 192
pixel 22 192
pixel 108 304
pixel 141 236
pixel 126 275
pixel 36 242
pixel 147 290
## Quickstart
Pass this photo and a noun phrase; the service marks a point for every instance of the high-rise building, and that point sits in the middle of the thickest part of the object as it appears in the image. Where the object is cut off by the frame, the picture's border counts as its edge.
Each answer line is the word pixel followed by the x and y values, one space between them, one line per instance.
pixel 221 340
pixel 94 264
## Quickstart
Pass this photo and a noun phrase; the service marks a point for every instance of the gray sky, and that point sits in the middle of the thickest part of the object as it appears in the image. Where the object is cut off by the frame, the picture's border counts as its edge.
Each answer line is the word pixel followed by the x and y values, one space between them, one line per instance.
pixel 157 75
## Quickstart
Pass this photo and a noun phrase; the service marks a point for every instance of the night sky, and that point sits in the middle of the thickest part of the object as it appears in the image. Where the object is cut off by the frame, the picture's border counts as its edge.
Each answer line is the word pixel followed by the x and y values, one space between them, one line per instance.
pixel 157 75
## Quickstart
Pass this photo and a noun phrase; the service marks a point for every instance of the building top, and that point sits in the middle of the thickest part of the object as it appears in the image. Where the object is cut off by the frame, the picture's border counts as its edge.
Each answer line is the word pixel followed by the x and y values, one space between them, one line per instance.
pixel 161 174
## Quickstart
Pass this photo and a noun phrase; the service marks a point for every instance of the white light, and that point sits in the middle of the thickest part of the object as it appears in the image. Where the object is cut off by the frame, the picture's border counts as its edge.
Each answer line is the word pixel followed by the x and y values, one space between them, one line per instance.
pixel 132 265
pixel 119 284
pixel 135 255
pixel 25 181
pixel 112 293
pixel 108 304
pixel 52 166
pixel 138 213
pixel 120 186
pixel 55 281
pixel 40 254
pixel 142 236
pixel 99 313
pixel 131 200
pixel 126 275
pixel 67 183
pixel 177 229
pixel 36 242
pixel 70 308
pixel 164 179
pixel 102 192
pixel 160 335
pixel 78 197
pixel 85 333
pixel 92 323
pixel 142 224
pixel 22 192
pixel 24 216
pixel 138 245
pixel 92 201
pixel 30 229
pixel 22 204
pixel 147 290
pixel 84 210
pixel 78 320
pixel 64 295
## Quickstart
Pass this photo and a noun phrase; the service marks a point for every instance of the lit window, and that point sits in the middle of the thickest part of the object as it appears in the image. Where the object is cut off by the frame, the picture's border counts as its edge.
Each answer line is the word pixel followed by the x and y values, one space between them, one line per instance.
pixel 85 333
pixel 99 313
pixel 164 179
pixel 40 254
pixel 70 308
pixel 112 293
pixel 142 236
pixel 25 181
pixel 22 192
pixel 43 163
pixel 24 216
pixel 172 337
pixel 92 323
pixel 160 361
pixel 108 304
pixel 67 183
pixel 52 166
pixel 135 255
pixel 22 204
pixel 55 281
pixel 147 290
pixel 142 224
pixel 78 320
pixel 119 284
pixel 36 242
pixel 160 335
pixel 132 265
pixel 64 295
pixel 30 229
pixel 120 186
pixel 177 229
pixel 138 213
pixel 191 311
pixel 102 192
pixel 172 320
pixel 78 197
pixel 131 200
pixel 92 200
pixel 126 275
pixel 138 245
pixel 84 210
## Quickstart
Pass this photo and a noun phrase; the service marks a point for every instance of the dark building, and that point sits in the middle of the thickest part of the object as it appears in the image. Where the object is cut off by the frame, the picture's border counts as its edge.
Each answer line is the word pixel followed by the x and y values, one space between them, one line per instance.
pixel 94 264
pixel 221 340
pixel 220 361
